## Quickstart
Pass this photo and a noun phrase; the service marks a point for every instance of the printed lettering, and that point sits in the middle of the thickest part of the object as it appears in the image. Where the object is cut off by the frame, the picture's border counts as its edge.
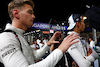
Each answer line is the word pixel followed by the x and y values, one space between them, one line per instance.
pixel 10 45
pixel 8 52
pixel 73 48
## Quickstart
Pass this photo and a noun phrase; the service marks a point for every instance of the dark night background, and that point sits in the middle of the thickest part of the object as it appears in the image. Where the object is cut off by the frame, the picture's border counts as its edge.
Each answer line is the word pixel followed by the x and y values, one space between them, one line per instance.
pixel 46 9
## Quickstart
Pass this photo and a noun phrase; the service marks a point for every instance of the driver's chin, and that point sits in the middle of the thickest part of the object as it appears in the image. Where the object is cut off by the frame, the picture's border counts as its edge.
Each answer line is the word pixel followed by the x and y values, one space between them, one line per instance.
pixel 30 25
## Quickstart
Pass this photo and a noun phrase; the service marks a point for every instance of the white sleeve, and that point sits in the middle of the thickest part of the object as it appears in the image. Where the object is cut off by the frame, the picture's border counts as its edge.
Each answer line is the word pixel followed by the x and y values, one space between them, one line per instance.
pixel 51 60
pixel 12 56
pixel 77 56
pixel 93 56
pixel 40 52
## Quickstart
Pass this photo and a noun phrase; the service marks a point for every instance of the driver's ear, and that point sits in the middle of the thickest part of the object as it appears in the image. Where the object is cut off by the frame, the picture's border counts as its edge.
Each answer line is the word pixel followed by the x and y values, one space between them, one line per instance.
pixel 77 24
pixel 16 13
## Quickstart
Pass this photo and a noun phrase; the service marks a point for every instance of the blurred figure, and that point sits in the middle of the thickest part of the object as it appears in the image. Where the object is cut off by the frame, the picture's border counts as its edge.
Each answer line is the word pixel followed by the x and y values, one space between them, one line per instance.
pixel 35 45
pixel 38 40
pixel 92 43
pixel 41 44
pixel 45 40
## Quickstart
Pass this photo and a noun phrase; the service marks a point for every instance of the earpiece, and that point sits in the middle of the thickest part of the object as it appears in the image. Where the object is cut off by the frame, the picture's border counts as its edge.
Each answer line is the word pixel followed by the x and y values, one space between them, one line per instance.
pixel 15 13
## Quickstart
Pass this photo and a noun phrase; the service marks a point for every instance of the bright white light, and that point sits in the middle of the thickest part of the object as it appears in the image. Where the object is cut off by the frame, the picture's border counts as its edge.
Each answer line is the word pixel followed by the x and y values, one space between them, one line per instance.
pixel 57 24
pixel 84 18
pixel 62 23
pixel 87 6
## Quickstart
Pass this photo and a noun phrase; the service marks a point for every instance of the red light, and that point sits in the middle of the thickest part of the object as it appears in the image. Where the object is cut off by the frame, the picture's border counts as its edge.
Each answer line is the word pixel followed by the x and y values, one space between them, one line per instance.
pixel 54 20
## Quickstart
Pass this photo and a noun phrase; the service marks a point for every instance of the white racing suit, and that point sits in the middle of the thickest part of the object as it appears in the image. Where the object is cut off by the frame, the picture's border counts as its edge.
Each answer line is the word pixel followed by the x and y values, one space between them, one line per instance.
pixel 12 56
pixel 79 53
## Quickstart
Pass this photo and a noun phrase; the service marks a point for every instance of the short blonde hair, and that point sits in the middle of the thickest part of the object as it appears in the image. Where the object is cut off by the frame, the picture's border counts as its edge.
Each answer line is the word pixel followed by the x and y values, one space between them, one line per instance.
pixel 18 4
